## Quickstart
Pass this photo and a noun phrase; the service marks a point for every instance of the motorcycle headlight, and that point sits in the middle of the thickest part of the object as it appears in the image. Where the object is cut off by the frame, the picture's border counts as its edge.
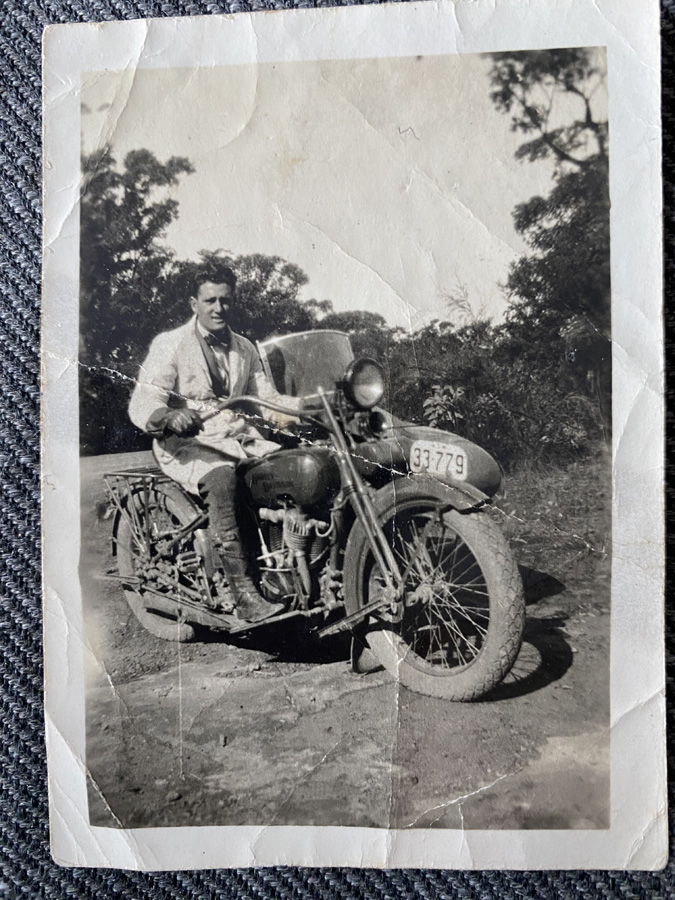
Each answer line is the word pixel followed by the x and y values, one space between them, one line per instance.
pixel 364 383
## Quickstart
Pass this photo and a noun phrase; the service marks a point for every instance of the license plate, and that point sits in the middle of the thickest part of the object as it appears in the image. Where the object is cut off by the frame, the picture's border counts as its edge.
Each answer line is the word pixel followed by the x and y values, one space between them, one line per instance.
pixel 447 460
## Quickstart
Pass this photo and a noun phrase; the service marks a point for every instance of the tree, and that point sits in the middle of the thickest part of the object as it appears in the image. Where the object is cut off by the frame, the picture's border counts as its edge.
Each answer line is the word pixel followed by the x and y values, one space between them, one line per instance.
pixel 124 215
pixel 369 333
pixel 517 412
pixel 121 225
pixel 268 301
pixel 530 87
pixel 416 361
pixel 560 290
pixel 132 287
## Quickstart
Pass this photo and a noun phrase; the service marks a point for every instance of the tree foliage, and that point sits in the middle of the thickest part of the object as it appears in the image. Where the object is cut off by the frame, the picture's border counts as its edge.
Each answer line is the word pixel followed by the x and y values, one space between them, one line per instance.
pixel 124 214
pixel 560 290
pixel 470 380
pixel 122 259
pixel 530 86
pixel 521 389
pixel 516 412
pixel 537 387
pixel 132 286
pixel 370 335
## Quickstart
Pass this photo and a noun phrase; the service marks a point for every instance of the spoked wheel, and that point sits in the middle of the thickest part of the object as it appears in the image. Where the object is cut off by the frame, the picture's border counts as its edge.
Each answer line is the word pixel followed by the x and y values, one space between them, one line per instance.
pixel 158 562
pixel 458 628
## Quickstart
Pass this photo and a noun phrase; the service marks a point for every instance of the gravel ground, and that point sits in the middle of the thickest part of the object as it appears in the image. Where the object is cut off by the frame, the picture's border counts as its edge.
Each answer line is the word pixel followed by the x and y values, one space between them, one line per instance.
pixel 213 733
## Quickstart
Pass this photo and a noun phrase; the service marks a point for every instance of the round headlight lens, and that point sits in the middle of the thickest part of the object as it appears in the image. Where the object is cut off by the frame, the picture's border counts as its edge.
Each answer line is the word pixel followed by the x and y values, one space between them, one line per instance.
pixel 364 383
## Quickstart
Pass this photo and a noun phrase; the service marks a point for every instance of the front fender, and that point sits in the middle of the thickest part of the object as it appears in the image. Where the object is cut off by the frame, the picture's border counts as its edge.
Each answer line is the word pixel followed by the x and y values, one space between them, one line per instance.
pixel 458 495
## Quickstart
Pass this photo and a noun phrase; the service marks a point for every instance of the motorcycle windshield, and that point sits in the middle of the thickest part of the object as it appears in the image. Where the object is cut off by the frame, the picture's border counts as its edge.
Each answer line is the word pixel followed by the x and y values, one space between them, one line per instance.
pixel 299 364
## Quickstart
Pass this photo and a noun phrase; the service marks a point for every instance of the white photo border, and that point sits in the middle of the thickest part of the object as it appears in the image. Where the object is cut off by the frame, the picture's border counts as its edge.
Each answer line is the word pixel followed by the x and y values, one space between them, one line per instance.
pixel 637 838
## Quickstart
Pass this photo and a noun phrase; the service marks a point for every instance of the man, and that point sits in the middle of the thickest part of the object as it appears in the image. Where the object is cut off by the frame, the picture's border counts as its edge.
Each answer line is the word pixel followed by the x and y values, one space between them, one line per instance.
pixel 187 374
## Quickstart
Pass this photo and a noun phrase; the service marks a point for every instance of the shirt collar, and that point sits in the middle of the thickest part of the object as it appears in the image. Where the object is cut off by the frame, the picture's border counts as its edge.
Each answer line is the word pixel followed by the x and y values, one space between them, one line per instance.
pixel 224 341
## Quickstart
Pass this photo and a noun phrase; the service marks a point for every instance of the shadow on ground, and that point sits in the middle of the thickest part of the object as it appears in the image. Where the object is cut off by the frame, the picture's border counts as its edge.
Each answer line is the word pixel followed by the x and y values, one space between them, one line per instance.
pixel 546 654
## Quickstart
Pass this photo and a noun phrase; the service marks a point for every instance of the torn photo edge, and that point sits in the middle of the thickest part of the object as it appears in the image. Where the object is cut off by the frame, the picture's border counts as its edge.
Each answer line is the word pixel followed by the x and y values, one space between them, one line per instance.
pixel 637 838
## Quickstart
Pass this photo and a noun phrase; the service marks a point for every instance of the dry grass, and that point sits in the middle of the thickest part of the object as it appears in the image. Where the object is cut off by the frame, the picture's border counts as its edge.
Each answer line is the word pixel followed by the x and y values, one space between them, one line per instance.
pixel 559 521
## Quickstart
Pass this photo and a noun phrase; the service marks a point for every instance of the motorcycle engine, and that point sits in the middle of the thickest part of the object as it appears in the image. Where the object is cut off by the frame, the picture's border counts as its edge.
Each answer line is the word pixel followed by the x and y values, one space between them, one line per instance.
pixel 294 547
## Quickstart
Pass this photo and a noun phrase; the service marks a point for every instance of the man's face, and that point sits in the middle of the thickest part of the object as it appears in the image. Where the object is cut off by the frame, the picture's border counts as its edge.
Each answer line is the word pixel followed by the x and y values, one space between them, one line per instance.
pixel 211 306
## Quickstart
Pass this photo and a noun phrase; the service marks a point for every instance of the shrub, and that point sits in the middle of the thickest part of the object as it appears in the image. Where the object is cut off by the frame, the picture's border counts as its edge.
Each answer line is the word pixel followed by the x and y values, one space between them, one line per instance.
pixel 518 423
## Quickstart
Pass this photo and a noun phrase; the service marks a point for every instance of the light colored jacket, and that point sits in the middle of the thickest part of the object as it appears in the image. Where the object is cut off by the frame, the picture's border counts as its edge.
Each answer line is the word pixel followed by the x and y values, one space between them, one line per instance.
pixel 175 374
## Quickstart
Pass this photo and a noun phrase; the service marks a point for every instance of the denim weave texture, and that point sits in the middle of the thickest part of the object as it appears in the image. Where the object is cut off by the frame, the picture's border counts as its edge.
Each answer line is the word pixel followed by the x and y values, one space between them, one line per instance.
pixel 26 867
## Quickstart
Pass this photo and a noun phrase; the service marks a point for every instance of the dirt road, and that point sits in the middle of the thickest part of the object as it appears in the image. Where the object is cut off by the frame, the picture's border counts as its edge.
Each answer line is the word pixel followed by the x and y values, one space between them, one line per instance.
pixel 211 733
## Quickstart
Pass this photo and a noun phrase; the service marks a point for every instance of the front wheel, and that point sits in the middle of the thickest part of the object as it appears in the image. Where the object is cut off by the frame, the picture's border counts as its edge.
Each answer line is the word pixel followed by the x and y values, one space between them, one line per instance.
pixel 458 628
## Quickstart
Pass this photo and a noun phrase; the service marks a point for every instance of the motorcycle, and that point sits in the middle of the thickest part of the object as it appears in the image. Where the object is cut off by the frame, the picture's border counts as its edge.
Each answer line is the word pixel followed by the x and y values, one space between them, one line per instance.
pixel 359 523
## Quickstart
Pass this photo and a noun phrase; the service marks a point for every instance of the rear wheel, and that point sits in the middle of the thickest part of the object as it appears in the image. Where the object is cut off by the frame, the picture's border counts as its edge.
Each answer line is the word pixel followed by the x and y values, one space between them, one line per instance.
pixel 458 628
pixel 158 572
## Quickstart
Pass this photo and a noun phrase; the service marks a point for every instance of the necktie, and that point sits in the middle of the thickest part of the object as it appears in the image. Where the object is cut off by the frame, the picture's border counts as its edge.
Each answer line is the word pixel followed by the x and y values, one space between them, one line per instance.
pixel 219 381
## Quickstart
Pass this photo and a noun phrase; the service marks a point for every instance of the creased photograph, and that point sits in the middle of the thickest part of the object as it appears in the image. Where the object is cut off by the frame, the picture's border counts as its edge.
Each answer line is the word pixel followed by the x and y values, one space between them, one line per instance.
pixel 345 438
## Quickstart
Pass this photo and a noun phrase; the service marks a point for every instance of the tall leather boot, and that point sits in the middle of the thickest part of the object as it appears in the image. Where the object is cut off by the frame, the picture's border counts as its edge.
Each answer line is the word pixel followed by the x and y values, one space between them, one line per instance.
pixel 249 605
pixel 218 489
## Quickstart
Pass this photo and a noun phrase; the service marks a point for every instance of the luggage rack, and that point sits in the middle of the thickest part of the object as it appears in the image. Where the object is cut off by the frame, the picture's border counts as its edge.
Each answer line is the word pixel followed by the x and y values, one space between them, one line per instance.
pixel 125 481
pixel 149 471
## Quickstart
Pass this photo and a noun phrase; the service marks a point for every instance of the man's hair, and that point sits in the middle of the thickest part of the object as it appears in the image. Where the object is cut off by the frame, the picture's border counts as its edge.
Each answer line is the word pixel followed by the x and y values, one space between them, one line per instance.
pixel 216 273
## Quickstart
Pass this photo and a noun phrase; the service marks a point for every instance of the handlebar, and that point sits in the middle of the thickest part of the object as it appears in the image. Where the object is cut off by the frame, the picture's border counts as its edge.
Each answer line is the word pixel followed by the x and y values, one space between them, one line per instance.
pixel 308 414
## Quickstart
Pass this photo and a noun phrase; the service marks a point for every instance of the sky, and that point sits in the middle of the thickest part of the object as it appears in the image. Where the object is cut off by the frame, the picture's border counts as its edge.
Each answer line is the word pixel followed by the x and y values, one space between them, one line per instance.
pixel 390 182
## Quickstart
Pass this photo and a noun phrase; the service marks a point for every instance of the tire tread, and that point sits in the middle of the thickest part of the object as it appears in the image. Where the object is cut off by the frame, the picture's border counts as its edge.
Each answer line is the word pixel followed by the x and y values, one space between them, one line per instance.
pixel 485 674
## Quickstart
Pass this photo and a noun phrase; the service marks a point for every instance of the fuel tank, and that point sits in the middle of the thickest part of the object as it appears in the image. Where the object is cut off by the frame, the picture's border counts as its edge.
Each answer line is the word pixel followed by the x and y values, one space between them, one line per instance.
pixel 307 476
pixel 406 448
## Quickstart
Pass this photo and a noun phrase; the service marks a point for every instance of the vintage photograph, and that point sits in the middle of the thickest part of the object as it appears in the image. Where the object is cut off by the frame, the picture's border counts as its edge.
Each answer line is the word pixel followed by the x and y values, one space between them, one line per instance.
pixel 345 430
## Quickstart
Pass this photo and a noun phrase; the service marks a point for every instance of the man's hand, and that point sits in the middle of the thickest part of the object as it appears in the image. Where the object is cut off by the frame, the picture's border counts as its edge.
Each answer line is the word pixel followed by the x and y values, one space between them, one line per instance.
pixel 183 422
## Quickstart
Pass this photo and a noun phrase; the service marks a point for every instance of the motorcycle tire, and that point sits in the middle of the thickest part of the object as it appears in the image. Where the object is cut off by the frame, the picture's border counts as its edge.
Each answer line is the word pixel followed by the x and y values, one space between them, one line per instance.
pixel 181 510
pixel 458 629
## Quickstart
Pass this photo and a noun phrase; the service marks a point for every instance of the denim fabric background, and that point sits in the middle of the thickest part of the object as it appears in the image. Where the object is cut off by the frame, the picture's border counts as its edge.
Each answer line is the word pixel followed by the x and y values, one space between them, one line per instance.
pixel 26 866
